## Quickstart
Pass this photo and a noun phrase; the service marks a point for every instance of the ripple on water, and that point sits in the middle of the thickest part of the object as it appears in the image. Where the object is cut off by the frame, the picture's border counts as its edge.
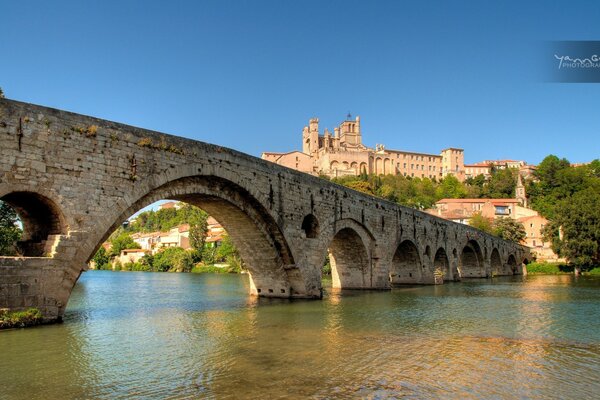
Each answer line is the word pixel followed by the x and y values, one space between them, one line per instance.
pixel 143 335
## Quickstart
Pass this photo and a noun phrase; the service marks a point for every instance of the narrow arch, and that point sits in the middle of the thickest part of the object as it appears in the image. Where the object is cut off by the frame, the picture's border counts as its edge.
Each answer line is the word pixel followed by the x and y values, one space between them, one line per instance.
pixel 496 263
pixel 42 222
pixel 354 166
pixel 378 166
pixel 334 165
pixel 310 226
pixel 349 259
pixel 471 261
pixel 441 266
pixel 511 265
pixel 406 265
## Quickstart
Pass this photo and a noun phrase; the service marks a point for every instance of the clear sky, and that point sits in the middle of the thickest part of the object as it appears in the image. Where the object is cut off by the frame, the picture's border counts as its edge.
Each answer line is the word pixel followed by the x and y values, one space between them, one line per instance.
pixel 423 75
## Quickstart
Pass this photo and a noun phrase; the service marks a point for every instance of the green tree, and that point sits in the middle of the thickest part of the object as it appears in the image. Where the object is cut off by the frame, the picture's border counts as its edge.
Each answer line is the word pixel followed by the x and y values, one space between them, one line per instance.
pixel 121 242
pixel 101 259
pixel 480 222
pixel 173 259
pixel 1 93
pixel 10 232
pixel 575 230
pixel 509 229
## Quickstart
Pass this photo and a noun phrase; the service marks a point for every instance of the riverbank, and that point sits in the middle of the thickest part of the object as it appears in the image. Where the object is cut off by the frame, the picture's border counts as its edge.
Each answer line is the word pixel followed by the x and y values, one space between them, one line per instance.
pixel 20 319
pixel 547 268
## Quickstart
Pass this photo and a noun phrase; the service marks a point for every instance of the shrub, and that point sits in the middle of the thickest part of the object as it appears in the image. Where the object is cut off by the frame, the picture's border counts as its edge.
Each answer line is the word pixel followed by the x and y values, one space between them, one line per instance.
pixel 20 319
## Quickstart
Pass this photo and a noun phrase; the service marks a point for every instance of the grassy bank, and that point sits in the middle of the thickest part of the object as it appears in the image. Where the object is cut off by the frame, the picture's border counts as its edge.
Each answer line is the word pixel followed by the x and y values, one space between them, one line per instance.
pixel 546 268
pixel 213 269
pixel 20 319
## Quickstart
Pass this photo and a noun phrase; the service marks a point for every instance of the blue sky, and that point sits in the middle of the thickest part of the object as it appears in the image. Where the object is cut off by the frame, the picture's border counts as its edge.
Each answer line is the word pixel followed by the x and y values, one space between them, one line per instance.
pixel 423 75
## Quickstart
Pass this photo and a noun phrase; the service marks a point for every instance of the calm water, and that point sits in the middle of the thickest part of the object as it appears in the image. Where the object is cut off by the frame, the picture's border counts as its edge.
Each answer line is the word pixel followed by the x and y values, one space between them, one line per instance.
pixel 153 335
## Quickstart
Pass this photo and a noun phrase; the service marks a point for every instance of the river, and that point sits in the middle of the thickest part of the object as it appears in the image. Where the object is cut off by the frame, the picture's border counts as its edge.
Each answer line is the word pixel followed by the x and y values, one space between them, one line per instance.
pixel 160 335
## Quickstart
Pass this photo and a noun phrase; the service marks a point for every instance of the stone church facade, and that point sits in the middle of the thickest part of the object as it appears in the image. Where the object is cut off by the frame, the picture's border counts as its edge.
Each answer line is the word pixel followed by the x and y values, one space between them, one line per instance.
pixel 343 153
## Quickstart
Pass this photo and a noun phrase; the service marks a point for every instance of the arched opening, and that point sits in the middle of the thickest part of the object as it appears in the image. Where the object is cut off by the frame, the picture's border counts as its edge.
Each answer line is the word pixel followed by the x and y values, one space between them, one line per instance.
pixel 354 166
pixel 363 168
pixel 496 263
pixel 349 260
pixel 441 266
pixel 41 220
pixel 471 261
pixel 255 234
pixel 334 165
pixel 310 226
pixel 378 166
pixel 511 266
pixel 406 265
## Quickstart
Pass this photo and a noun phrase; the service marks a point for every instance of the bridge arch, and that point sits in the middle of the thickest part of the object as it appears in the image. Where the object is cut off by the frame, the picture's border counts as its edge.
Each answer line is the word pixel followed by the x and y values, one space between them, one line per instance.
pixel 441 265
pixel 350 251
pixel 252 229
pixel 406 264
pixel 511 265
pixel 496 263
pixel 42 220
pixel 471 261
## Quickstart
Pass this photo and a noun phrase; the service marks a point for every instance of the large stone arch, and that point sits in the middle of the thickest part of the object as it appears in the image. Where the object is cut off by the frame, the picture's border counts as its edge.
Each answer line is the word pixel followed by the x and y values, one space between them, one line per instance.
pixel 407 266
pixel 496 263
pixel 251 228
pixel 350 250
pixel 471 263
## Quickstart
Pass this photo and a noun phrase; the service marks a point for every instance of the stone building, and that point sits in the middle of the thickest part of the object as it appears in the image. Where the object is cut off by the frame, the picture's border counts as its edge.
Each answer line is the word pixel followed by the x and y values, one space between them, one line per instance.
pixel 343 153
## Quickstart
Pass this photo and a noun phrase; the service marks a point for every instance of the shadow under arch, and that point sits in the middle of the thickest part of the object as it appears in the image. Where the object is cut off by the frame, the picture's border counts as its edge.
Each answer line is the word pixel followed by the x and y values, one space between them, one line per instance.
pixel 496 263
pixel 471 261
pixel 350 251
pixel 257 236
pixel 406 265
pixel 441 266
pixel 42 220
pixel 511 266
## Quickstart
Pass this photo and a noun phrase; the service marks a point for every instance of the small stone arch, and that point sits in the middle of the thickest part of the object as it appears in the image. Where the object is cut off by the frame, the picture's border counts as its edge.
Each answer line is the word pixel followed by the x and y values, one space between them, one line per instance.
pixel 334 165
pixel 441 266
pixel 378 166
pixel 496 263
pixel 310 226
pixel 43 222
pixel 471 261
pixel 511 265
pixel 406 265
pixel 354 166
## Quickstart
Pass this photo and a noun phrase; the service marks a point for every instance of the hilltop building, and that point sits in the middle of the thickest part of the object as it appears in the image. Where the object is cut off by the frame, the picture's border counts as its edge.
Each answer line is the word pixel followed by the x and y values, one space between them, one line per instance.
pixel 343 153
pixel 485 167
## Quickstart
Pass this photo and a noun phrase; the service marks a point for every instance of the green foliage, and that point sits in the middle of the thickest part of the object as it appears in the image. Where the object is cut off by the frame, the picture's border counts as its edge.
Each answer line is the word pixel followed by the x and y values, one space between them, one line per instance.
pixel 509 229
pixel 20 319
pixel 578 218
pixel 480 222
pixel 167 218
pixel 173 259
pixel 101 259
pixel 122 242
pixel 10 232
pixel 544 268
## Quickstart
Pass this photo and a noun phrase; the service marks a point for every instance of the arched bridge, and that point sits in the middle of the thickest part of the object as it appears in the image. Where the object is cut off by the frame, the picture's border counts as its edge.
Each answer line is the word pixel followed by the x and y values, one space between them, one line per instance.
pixel 74 179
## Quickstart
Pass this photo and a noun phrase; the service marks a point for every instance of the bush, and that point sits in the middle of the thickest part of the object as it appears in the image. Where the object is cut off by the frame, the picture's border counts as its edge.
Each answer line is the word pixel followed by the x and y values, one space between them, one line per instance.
pixel 173 259
pixel 544 268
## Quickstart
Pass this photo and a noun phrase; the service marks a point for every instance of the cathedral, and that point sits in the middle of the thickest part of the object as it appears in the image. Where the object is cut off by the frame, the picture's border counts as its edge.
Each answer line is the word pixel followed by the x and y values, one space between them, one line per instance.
pixel 343 153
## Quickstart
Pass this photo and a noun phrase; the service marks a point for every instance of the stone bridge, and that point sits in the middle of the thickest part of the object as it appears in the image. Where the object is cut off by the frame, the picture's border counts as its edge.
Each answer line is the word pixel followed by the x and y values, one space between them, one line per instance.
pixel 74 179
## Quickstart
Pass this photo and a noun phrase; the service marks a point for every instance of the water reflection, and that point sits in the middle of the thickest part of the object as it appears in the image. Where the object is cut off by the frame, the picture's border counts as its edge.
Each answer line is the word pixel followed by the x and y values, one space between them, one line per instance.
pixel 132 335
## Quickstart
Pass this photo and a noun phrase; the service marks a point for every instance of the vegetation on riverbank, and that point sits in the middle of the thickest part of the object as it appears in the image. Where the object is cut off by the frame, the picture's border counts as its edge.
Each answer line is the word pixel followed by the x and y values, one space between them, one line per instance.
pixel 548 268
pixel 20 319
